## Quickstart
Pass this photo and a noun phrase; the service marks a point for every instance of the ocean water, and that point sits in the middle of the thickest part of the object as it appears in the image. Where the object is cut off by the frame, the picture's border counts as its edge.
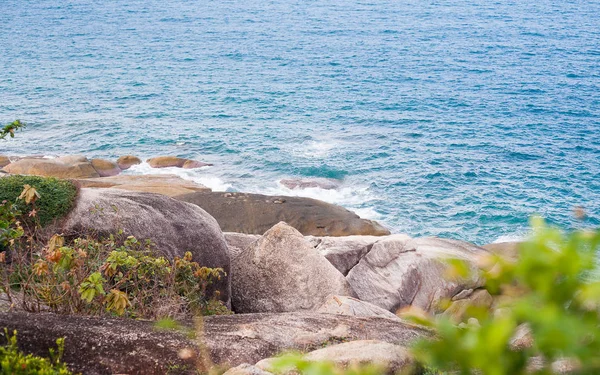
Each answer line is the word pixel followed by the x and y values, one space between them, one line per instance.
pixel 451 118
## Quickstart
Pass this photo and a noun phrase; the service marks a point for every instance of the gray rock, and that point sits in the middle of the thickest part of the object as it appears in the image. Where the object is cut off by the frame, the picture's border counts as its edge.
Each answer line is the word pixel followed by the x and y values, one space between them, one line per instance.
pixel 174 226
pixel 249 338
pixel 255 214
pixel 282 272
pixel 399 272
pixel 127 346
pixel 344 305
pixel 390 357
pixel 238 242
pixel 246 369
pixel 101 346
pixel 344 252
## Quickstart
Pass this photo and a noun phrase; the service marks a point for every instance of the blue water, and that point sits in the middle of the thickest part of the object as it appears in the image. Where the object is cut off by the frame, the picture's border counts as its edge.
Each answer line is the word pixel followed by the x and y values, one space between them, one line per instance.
pixel 453 118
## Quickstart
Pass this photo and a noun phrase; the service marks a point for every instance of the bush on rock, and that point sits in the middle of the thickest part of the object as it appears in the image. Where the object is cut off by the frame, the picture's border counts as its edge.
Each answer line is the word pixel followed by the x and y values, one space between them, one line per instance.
pixel 57 195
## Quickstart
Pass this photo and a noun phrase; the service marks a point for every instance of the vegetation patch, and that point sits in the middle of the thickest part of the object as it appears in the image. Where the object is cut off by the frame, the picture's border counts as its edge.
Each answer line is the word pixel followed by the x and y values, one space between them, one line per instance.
pixel 15 362
pixel 57 196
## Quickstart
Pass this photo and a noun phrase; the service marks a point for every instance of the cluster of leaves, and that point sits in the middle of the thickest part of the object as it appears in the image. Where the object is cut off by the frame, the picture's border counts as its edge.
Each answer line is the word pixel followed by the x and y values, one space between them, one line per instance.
pixel 9 130
pixel 14 362
pixel 114 275
pixel 59 196
pixel 111 276
pixel 552 289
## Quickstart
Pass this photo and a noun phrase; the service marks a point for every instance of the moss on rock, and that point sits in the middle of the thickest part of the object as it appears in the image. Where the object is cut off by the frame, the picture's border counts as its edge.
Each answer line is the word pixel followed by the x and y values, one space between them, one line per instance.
pixel 56 196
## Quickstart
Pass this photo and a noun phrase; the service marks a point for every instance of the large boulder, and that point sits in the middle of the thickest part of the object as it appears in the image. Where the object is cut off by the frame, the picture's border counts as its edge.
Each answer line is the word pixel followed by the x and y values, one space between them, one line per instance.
pixel 128 346
pixel 96 346
pixel 127 161
pixel 344 305
pixel 400 271
pixel 165 184
pixel 105 167
pixel 249 338
pixel 238 242
pixel 63 167
pixel 344 252
pixel 174 226
pixel 282 272
pixel 389 358
pixel 256 213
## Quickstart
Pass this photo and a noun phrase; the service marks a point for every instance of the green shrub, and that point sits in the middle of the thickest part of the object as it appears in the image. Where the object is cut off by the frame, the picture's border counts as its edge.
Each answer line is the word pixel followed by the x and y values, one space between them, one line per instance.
pixel 114 276
pixel 15 362
pixel 9 130
pixel 57 196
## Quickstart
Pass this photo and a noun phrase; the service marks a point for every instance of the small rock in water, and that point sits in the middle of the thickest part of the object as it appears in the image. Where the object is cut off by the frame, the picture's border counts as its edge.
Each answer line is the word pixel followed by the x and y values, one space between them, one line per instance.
pixel 304 183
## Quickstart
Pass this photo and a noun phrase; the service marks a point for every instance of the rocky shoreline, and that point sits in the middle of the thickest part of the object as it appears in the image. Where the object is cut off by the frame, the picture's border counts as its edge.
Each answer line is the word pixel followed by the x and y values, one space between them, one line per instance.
pixel 301 274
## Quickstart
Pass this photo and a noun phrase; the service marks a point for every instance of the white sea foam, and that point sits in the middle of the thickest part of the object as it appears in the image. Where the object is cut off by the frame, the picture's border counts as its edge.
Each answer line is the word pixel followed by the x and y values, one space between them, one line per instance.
pixel 315 149
pixel 198 175
pixel 515 237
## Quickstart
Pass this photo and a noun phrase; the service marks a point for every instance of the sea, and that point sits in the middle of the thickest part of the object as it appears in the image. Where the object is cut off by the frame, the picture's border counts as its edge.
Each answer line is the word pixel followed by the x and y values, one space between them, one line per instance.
pixel 451 118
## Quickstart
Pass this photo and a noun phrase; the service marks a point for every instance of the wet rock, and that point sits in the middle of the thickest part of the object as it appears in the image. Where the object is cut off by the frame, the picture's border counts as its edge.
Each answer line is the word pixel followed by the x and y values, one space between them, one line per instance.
pixel 172 161
pixel 165 184
pixel 63 167
pixel 127 161
pixel 256 213
pixel 305 183
pixel 105 168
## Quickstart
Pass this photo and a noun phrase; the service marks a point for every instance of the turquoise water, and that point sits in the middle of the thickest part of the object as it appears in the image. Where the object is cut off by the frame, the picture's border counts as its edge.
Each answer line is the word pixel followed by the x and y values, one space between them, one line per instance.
pixel 450 118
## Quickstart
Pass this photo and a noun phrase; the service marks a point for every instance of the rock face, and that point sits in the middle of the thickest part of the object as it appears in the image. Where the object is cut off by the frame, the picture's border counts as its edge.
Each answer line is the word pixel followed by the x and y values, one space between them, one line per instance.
pixel 63 167
pixel 127 346
pixel 172 161
pixel 255 214
pixel 400 271
pixel 238 242
pixel 389 357
pixel 127 161
pixel 100 346
pixel 344 252
pixel 282 272
pixel 175 227
pixel 305 183
pixel 105 168
pixel 344 305
pixel 249 338
pixel 165 184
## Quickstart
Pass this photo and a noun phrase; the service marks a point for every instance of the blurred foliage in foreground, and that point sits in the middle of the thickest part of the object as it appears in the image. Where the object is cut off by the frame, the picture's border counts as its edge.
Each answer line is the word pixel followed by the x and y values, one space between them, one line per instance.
pixel 553 290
